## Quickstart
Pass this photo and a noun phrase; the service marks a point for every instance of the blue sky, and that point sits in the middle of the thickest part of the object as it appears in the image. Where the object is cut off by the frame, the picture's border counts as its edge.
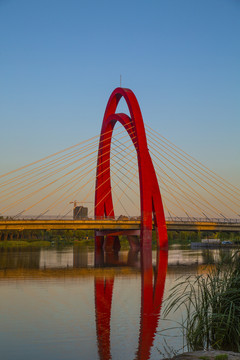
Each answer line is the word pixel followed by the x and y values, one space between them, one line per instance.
pixel 60 61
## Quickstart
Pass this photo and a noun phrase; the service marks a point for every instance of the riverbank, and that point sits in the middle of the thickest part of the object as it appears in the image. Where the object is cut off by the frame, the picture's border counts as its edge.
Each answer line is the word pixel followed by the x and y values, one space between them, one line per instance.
pixel 207 355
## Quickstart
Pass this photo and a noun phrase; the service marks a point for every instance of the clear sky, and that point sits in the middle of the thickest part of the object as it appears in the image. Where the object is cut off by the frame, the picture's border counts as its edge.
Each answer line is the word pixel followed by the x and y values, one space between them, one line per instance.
pixel 61 59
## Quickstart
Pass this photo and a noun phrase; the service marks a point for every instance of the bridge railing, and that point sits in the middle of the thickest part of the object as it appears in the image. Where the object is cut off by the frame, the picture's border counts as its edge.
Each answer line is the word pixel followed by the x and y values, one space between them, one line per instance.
pixel 204 219
pixel 124 218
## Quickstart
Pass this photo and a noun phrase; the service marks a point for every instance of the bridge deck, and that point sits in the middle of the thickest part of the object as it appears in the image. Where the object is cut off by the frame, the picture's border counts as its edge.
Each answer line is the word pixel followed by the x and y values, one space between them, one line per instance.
pixel 114 225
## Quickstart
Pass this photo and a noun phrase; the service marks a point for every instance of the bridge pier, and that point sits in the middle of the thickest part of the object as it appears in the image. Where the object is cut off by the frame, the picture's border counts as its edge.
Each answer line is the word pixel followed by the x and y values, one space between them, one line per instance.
pixel 103 258
pixel 99 240
pixel 111 242
pixel 134 242
pixel 106 241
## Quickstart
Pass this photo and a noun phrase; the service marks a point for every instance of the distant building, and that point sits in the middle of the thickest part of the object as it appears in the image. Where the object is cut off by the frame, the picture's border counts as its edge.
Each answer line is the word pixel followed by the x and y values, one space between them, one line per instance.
pixel 80 213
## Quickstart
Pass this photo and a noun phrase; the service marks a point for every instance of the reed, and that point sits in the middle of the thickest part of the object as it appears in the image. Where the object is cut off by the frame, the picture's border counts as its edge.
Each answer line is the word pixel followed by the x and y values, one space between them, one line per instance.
pixel 212 305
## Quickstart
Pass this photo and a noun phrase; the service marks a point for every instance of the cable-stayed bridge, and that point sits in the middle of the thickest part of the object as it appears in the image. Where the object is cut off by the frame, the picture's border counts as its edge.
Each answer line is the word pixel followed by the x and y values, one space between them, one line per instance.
pixel 117 175
pixel 129 226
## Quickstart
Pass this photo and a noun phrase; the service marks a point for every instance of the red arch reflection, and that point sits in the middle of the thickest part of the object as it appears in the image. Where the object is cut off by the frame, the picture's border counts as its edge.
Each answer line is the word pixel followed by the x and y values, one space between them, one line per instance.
pixel 152 291
pixel 103 302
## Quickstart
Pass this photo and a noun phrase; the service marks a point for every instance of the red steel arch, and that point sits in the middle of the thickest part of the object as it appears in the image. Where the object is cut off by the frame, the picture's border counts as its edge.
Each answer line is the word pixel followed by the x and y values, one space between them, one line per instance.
pixel 150 197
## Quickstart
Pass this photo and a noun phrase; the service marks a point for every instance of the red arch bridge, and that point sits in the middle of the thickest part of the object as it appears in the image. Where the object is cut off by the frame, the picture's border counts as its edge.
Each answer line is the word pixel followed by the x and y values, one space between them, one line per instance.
pixel 193 197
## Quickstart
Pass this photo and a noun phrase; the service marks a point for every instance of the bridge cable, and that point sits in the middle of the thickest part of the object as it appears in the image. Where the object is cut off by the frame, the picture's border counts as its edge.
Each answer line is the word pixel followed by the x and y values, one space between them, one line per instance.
pixel 46 197
pixel 201 178
pixel 198 183
pixel 193 160
pixel 53 181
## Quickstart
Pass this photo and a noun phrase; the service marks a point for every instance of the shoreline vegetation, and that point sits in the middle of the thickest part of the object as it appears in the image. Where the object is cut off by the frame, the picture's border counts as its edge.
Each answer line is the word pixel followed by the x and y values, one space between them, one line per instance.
pixel 211 302
pixel 44 238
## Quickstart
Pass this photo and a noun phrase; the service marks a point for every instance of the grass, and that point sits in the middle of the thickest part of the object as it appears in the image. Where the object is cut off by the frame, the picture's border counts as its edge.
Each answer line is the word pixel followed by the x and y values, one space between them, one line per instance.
pixel 212 304
pixel 221 357
pixel 217 357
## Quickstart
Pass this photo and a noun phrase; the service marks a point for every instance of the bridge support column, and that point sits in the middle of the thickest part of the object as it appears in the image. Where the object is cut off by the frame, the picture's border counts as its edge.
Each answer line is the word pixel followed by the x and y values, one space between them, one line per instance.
pixel 99 240
pixel 106 241
pixel 98 257
pixel 134 242
pixel 111 243
pixel 132 257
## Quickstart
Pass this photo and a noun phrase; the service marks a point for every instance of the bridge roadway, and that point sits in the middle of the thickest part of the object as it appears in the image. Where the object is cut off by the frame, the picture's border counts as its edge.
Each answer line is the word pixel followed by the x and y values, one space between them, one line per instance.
pixel 109 225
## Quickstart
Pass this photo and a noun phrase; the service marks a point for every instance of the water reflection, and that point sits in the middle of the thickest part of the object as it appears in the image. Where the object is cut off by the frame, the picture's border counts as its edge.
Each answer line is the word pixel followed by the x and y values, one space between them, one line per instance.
pixel 19 259
pixel 73 303
pixel 79 258
pixel 152 289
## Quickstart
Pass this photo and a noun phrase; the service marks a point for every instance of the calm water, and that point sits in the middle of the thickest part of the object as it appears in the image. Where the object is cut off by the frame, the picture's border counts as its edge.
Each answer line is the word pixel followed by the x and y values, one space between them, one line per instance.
pixel 72 304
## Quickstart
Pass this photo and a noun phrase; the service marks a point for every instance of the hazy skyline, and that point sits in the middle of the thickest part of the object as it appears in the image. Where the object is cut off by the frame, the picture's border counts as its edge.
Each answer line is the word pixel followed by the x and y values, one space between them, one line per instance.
pixel 60 61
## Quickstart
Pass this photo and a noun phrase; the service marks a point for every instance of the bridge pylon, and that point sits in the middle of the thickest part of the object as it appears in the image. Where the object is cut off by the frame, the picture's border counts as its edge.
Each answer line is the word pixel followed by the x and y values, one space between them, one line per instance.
pixel 150 197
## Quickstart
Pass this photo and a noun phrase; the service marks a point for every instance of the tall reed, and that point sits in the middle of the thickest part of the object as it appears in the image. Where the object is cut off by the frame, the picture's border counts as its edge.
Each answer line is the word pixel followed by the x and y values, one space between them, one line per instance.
pixel 212 305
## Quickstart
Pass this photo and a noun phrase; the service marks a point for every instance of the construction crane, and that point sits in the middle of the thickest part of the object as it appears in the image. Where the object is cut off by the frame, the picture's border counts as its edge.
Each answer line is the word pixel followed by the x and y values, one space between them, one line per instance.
pixel 75 202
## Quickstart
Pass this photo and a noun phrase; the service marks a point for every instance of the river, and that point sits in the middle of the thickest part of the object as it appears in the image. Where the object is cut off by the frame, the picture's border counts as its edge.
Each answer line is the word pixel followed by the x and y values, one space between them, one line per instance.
pixel 70 303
